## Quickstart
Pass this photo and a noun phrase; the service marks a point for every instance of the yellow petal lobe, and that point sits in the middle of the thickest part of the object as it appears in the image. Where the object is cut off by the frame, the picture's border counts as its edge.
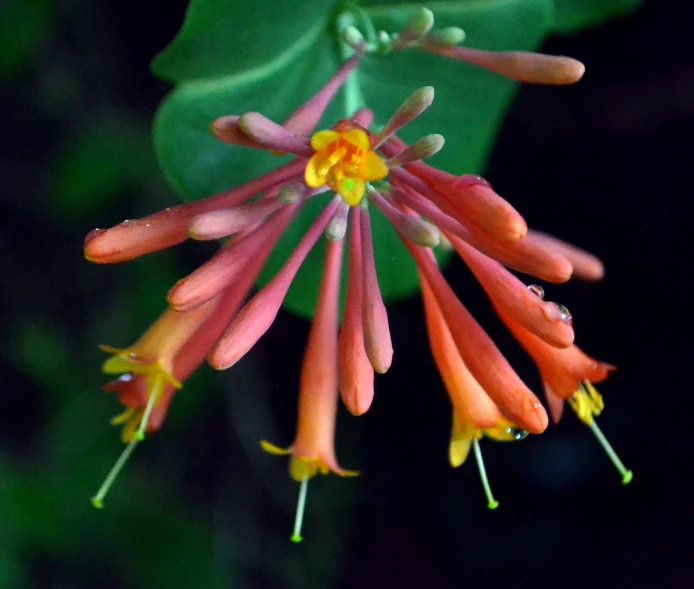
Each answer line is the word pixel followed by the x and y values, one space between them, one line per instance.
pixel 274 450
pixel 358 138
pixel 458 451
pixel 321 139
pixel 351 189
pixel 313 176
pixel 372 167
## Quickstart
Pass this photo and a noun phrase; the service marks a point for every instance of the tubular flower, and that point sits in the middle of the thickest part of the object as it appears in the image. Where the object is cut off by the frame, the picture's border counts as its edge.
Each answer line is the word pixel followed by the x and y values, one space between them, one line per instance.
pixel 474 414
pixel 425 206
pixel 567 375
pixel 153 368
pixel 313 450
pixel 151 360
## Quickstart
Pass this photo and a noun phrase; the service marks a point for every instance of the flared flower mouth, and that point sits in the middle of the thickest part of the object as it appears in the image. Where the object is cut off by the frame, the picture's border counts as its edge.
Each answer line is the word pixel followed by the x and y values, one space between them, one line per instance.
pixel 125 361
pixel 307 467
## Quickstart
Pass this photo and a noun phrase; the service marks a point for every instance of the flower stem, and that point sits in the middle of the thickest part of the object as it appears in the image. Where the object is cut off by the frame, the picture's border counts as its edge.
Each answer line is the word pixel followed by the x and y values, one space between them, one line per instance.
pixel 627 475
pixel 300 507
pixel 354 99
pixel 491 502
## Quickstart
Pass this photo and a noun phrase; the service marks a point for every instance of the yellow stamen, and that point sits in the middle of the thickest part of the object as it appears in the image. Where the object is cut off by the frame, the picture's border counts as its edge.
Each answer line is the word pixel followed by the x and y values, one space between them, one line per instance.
pixel 586 403
pixel 121 418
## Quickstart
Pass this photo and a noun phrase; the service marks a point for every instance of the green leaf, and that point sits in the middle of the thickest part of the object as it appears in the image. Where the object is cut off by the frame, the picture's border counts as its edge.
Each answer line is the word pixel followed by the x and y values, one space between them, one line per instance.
pixel 224 37
pixel 197 164
pixel 574 15
pixel 468 110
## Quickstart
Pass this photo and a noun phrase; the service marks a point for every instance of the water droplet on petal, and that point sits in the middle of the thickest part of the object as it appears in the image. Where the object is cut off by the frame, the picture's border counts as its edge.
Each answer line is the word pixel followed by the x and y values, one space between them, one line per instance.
pixel 517 433
pixel 537 290
pixel 563 313
pixel 467 180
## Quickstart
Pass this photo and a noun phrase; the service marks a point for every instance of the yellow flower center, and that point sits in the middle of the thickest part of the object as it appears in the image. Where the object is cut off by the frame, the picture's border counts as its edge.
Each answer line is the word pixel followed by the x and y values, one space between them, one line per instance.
pixel 344 161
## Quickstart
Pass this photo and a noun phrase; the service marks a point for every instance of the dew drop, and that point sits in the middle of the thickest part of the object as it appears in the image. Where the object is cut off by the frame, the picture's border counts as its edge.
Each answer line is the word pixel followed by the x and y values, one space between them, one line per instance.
pixel 564 314
pixel 468 180
pixel 537 290
pixel 517 433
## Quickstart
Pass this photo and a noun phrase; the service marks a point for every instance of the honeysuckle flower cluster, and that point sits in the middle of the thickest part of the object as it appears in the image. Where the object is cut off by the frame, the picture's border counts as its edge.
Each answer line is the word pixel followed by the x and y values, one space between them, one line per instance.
pixel 355 169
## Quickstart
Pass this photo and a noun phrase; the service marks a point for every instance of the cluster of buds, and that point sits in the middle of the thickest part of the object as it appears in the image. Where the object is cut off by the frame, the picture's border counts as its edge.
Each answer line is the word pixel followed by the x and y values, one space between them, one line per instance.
pixel 356 170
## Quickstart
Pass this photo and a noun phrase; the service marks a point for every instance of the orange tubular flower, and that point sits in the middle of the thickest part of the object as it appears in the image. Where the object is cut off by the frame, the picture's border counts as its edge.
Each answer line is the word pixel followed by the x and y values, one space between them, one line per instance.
pixel 313 450
pixel 474 414
pixel 567 375
pixel 154 367
pixel 152 358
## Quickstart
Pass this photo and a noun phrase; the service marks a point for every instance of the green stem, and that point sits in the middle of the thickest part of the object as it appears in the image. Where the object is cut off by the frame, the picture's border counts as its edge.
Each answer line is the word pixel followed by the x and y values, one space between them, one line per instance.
pixel 353 97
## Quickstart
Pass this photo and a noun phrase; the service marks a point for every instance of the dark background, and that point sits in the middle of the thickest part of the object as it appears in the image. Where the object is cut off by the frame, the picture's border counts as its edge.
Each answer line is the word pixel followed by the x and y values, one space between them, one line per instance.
pixel 606 165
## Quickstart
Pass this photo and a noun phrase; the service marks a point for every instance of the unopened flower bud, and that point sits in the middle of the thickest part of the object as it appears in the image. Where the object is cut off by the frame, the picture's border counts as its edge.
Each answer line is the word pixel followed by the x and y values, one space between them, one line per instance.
pixel 419 150
pixel 420 24
pixel 414 106
pixel 353 37
pixel 521 66
pixel 337 227
pixel 292 193
pixel 383 42
pixel 445 37
pixel 271 135
pixel 412 227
